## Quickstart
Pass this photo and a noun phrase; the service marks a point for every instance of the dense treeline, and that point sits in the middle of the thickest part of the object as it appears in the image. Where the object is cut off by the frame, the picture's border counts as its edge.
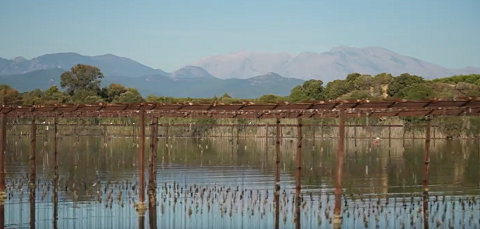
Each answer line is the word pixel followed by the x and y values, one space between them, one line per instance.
pixel 81 84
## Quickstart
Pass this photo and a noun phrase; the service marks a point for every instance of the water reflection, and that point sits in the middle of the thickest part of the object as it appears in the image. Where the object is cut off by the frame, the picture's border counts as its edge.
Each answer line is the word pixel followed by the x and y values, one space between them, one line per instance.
pixel 215 183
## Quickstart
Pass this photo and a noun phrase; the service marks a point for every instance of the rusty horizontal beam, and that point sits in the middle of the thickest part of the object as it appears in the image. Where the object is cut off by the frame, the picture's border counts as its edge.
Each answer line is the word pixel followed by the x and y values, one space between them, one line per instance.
pixel 321 109
pixel 221 125
pixel 390 112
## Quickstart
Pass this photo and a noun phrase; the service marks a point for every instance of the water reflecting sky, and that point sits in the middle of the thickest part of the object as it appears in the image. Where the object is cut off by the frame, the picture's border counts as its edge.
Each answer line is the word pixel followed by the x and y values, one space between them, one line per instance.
pixel 224 183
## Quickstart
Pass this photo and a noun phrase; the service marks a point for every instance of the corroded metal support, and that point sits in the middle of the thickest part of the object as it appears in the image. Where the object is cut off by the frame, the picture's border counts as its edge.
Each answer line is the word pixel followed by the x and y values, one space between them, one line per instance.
pixel 426 157
pixel 32 207
pixel 32 156
pixel 167 139
pixel 389 138
pixel 141 222
pixel 277 174
pixel 55 172
pixel 337 211
pixel 3 149
pixel 151 165
pixel 141 208
pixel 2 216
pixel 55 147
pixel 298 183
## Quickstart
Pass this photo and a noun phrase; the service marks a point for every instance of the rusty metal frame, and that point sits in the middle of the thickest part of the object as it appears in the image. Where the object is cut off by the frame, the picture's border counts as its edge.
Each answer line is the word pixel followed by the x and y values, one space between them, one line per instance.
pixel 318 109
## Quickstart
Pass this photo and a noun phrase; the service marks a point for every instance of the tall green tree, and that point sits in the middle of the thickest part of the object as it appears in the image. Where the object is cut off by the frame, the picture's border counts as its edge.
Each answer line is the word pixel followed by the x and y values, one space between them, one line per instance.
pixel 81 77
pixel 309 90
pixel 402 81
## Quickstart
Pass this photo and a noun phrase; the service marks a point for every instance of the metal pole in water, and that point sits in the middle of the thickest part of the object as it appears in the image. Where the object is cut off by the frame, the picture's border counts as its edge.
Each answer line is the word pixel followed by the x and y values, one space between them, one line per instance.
pixel 277 175
pixel 2 216
pixel 141 208
pixel 426 157
pixel 153 127
pixel 425 181
pixel 298 174
pixel 3 150
pixel 33 141
pixel 31 184
pixel 337 211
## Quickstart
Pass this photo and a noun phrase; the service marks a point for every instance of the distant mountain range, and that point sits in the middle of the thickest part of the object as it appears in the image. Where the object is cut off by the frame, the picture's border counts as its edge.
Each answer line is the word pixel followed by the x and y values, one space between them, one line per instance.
pixel 327 66
pixel 241 74
pixel 180 85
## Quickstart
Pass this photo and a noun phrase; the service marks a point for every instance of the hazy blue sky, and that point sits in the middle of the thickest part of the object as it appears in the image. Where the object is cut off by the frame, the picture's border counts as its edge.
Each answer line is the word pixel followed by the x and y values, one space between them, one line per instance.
pixel 169 34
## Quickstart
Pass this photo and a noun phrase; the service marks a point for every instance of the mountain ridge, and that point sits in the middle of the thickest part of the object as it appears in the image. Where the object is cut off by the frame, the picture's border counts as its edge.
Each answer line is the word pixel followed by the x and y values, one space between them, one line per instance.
pixel 330 65
pixel 327 66
pixel 161 85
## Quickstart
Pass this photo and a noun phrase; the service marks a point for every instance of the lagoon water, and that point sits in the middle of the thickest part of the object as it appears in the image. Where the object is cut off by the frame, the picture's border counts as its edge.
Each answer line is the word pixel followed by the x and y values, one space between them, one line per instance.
pixel 229 183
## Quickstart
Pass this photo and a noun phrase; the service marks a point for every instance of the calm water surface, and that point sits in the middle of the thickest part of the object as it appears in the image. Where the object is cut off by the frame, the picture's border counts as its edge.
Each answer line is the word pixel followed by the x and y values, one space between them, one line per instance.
pixel 225 183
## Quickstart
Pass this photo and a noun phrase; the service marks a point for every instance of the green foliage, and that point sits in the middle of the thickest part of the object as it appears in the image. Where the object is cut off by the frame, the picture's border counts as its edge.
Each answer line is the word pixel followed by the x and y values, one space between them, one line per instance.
pixel 309 90
pixel 470 79
pixel 336 89
pixel 416 92
pixel 397 84
pixel 81 77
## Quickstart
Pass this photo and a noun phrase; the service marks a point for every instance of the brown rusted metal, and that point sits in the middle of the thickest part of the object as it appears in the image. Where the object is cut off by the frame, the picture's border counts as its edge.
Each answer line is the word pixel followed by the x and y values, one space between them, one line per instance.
pixel 55 146
pixel 2 216
pixel 426 157
pixel 141 159
pixel 277 174
pixel 339 166
pixel 31 200
pixel 151 165
pixel 141 222
pixel 32 156
pixel 167 147
pixel 354 108
pixel 298 182
pixel 3 149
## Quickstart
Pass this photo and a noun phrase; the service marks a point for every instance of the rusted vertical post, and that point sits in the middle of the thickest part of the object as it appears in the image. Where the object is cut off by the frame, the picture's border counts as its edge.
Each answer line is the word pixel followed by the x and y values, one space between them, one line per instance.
pixel 55 172
pixel 33 141
pixel 31 183
pixel 403 135
pixel 152 199
pixel 2 216
pixel 151 174
pixel 339 168
pixel 425 179
pixel 31 200
pixel 141 208
pixel 298 174
pixel 55 146
pixel 266 138
pixel 369 133
pixel 105 135
pixel 389 138
pixel 141 222
pixel 277 175
pixel 3 150
pixel 426 157
pixel 355 136
pixel 167 142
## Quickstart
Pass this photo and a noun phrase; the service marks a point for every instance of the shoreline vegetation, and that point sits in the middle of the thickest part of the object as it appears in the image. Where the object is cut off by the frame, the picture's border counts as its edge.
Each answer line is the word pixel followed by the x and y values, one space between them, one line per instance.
pixel 81 85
